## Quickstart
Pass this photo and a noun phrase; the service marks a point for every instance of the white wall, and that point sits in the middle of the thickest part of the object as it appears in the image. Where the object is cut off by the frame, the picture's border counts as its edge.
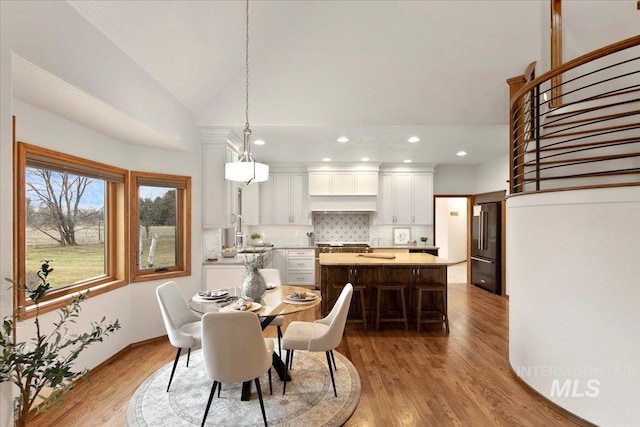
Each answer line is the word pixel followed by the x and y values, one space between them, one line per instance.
pixel 611 20
pixel 492 175
pixel 451 228
pixel 56 38
pixel 449 179
pixel 135 305
pixel 6 198
pixel 574 306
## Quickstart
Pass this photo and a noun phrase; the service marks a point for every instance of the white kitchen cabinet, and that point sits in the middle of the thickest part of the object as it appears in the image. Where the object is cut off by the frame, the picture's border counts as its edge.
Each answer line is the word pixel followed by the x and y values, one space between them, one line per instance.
pixel 251 204
pixel 284 199
pixel 422 198
pixel 218 194
pixel 343 183
pixel 320 183
pixel 405 198
pixel 279 261
pixel 300 267
pixel 366 183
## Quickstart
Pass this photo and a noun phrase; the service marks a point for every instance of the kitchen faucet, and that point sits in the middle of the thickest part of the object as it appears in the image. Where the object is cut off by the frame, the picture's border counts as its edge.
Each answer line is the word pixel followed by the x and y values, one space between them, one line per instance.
pixel 239 243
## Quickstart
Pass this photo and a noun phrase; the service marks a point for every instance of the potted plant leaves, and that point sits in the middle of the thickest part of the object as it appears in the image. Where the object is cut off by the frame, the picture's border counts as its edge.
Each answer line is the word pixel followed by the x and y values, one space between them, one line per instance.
pixel 46 360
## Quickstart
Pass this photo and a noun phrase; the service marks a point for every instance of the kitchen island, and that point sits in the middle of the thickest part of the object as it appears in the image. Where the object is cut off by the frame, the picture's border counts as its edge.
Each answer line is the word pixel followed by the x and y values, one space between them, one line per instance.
pixel 366 270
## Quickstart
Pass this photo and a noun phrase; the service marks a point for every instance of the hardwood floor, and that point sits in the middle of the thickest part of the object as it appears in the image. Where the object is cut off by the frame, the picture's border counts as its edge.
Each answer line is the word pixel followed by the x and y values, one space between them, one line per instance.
pixel 408 379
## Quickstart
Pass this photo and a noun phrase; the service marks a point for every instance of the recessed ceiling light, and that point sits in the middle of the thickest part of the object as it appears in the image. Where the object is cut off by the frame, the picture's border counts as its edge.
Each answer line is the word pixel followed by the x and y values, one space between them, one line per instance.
pixel 461 153
pixel 343 139
pixel 407 161
pixel 413 139
pixel 258 142
pixel 365 159
pixel 326 159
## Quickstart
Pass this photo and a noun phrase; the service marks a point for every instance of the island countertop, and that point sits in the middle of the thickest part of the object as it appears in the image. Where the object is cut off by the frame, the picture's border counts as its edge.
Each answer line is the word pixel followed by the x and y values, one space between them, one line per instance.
pixel 376 258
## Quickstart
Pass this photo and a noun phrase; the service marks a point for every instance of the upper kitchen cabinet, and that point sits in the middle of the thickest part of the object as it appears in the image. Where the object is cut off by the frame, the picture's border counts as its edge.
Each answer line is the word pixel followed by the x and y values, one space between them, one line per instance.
pixel 405 198
pixel 251 204
pixel 220 197
pixel 343 183
pixel 284 199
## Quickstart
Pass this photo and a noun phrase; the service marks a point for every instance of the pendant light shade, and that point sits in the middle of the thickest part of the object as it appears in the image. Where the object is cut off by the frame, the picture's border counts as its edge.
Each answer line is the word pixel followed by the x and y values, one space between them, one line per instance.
pixel 246 169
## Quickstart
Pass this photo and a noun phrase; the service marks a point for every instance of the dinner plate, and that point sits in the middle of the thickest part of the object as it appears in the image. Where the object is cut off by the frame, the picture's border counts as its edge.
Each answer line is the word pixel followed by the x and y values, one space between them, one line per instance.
pixel 309 297
pixel 219 294
pixel 255 306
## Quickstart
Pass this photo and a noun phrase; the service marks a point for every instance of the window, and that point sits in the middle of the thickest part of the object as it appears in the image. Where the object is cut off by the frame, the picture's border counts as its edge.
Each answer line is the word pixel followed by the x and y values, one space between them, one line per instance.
pixel 71 211
pixel 160 226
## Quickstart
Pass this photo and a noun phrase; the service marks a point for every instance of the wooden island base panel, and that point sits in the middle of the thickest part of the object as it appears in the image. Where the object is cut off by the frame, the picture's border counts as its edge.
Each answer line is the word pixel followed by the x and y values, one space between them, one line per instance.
pixel 412 269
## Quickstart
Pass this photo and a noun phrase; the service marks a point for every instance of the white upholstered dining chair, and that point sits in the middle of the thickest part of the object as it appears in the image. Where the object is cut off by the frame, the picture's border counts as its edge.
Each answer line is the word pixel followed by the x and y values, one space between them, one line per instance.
pixel 234 351
pixel 321 335
pixel 272 275
pixel 182 325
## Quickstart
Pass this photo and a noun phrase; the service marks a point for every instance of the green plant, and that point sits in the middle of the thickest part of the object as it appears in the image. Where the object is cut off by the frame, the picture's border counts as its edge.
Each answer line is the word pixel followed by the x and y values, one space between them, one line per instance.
pixel 256 236
pixel 46 360
pixel 423 239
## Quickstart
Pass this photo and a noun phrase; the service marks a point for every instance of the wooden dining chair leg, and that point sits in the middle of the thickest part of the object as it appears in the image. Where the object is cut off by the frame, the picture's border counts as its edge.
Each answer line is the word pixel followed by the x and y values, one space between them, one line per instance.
pixel 335 368
pixel 331 372
pixel 173 371
pixel 264 415
pixel 206 411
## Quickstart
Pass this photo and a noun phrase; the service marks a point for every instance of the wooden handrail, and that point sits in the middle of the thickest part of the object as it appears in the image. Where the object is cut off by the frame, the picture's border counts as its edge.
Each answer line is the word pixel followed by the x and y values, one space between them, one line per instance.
pixel 595 130
pixel 576 62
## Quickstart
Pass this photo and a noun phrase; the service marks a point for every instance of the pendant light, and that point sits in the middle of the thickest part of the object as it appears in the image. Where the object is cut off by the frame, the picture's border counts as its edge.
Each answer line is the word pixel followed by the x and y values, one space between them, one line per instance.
pixel 246 169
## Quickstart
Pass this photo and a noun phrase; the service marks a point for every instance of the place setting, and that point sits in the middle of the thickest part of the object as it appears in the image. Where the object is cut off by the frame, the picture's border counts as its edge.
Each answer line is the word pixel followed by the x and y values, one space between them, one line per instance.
pixel 243 304
pixel 220 297
pixel 300 297
pixel 270 286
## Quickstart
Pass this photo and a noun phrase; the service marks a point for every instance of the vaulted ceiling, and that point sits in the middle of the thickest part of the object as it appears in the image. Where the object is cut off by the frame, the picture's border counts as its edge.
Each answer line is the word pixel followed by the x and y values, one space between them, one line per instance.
pixel 374 71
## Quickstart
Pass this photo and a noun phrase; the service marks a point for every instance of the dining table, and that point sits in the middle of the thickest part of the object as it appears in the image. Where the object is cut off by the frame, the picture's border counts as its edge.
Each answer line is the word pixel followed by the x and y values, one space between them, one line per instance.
pixel 278 300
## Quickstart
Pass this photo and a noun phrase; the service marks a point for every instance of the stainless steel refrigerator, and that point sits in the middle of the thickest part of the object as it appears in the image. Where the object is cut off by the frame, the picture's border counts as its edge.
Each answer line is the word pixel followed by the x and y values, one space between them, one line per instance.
pixel 485 247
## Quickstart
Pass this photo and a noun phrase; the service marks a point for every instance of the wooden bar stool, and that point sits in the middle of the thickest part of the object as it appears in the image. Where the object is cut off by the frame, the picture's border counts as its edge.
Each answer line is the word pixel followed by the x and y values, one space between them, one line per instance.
pixel 390 287
pixel 358 295
pixel 439 290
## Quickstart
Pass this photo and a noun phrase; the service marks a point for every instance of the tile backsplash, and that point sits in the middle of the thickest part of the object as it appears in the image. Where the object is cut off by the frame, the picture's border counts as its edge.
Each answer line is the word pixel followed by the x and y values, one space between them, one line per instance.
pixel 341 227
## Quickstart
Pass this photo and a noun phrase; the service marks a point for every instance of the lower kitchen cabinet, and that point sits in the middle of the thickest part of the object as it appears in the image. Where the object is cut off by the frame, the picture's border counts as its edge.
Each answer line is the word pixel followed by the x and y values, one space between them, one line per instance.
pixel 300 267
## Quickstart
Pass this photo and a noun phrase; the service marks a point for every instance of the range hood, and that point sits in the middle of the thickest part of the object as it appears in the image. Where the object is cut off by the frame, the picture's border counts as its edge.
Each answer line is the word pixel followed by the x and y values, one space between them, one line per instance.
pixel 343 203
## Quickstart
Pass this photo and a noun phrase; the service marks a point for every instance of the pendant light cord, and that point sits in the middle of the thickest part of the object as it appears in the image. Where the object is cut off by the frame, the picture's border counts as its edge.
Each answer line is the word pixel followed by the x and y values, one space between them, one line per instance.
pixel 246 58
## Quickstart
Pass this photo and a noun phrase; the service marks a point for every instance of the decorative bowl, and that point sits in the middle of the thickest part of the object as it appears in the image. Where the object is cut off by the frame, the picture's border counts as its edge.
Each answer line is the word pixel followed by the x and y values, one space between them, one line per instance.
pixel 229 254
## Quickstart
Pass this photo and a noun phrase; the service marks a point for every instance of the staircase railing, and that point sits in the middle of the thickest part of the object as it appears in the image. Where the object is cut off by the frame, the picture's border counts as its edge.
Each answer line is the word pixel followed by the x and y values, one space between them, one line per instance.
pixel 593 138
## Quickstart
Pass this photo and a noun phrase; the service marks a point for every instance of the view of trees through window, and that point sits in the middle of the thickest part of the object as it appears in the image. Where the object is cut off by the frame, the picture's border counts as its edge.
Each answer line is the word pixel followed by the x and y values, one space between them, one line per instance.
pixel 65 218
pixel 158 222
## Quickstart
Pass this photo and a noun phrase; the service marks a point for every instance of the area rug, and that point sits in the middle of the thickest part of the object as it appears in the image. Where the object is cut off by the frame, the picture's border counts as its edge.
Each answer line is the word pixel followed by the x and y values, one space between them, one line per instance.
pixel 309 400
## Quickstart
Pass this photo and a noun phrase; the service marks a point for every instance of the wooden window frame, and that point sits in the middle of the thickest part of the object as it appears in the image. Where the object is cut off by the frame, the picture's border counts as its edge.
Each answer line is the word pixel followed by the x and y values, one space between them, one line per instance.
pixel 116 253
pixel 183 226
